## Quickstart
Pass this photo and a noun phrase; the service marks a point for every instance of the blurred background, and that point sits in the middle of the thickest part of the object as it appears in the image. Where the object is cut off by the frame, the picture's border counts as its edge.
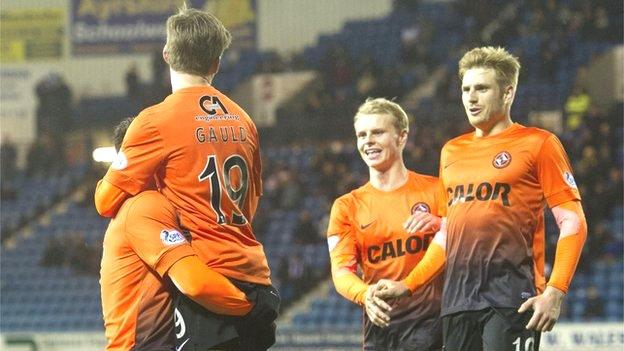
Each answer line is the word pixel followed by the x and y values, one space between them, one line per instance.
pixel 72 69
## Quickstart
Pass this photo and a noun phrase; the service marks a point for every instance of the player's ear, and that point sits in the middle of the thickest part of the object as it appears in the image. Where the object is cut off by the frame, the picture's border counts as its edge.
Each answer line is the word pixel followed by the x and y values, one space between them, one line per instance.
pixel 165 54
pixel 214 68
pixel 508 94
pixel 403 137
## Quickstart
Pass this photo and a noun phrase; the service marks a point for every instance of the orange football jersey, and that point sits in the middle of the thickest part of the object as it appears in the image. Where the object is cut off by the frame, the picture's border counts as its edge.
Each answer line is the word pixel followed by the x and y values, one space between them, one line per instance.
pixel 366 230
pixel 496 188
pixel 138 251
pixel 204 151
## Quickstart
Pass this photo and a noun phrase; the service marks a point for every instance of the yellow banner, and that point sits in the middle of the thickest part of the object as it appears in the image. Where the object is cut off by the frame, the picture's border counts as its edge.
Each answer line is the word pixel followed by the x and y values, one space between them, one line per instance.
pixel 31 34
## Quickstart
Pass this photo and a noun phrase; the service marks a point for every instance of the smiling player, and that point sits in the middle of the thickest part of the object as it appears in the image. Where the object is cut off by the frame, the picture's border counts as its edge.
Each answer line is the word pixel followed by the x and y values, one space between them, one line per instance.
pixel 368 228
pixel 497 181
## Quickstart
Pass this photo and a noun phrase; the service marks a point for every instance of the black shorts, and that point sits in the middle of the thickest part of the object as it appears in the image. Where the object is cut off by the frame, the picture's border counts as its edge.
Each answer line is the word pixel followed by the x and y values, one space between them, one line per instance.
pixel 490 329
pixel 410 335
pixel 198 329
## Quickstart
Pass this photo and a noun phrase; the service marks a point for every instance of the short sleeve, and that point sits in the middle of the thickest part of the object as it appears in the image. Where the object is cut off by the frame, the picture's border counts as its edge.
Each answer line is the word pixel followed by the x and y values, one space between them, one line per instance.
pixel 341 241
pixel 140 156
pixel 152 230
pixel 554 173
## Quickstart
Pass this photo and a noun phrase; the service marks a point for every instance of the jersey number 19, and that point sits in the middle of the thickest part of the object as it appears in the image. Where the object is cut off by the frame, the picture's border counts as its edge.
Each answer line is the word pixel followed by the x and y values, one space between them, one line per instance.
pixel 216 175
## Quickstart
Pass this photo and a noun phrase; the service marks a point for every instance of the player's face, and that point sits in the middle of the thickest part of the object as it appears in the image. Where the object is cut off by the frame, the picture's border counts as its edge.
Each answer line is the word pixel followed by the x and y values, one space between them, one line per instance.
pixel 379 142
pixel 484 100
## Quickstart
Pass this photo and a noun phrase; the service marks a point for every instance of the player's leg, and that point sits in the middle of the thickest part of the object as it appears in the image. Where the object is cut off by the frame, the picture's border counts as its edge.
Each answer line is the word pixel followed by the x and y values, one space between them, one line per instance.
pixel 199 329
pixel 375 338
pixel 505 330
pixel 462 331
pixel 423 334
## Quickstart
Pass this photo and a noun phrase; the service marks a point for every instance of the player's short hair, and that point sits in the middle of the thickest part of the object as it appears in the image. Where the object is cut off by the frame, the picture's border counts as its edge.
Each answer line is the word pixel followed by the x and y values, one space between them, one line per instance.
pixel 120 132
pixel 195 40
pixel 381 106
pixel 506 66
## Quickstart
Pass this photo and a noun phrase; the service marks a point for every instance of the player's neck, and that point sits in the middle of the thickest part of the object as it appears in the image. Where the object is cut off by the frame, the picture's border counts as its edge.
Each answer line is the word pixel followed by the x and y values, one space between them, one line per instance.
pixel 393 178
pixel 497 128
pixel 184 80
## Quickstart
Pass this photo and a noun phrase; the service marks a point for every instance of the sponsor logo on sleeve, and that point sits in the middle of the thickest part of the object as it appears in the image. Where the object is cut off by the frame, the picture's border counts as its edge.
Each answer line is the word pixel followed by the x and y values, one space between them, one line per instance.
pixel 120 162
pixel 502 159
pixel 332 241
pixel 569 178
pixel 172 237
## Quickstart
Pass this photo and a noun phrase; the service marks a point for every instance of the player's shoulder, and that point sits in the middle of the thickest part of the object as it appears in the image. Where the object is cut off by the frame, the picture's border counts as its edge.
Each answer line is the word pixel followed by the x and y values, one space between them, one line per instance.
pixel 348 199
pixel 232 105
pixel 154 111
pixel 534 132
pixel 458 140
pixel 152 116
pixel 426 178
pixel 535 138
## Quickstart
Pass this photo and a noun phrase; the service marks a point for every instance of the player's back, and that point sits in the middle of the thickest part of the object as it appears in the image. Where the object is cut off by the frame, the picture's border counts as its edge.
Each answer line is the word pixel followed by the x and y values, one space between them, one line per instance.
pixel 136 303
pixel 210 169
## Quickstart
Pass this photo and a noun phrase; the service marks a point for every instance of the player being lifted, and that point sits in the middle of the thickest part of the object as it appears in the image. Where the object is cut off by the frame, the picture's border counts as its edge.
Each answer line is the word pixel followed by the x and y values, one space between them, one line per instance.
pixel 143 251
pixel 385 227
pixel 496 181
pixel 204 151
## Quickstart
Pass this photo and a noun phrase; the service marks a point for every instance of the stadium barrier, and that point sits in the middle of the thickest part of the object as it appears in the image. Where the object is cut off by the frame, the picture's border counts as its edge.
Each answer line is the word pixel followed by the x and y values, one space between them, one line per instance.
pixel 565 337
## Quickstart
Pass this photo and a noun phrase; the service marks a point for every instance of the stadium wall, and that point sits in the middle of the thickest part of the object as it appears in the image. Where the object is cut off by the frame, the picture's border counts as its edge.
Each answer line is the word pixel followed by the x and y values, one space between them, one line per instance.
pixel 282 25
pixel 606 78
pixel 288 26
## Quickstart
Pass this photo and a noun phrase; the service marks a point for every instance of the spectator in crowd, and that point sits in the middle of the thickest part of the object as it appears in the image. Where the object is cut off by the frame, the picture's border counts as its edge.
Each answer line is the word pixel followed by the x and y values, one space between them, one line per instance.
pixel 306 232
pixel 45 157
pixel 8 168
pixel 291 191
pixel 54 253
pixel 576 107
pixel 133 83
pixel 54 109
pixel 594 306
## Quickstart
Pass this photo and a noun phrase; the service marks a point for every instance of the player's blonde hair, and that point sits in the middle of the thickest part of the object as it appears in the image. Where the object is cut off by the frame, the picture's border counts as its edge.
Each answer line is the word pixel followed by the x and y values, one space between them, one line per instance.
pixel 195 40
pixel 381 106
pixel 506 66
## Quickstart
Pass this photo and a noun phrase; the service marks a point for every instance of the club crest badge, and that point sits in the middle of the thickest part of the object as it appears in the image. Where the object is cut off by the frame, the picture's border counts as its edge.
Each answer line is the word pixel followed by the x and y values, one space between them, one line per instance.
pixel 502 159
pixel 420 207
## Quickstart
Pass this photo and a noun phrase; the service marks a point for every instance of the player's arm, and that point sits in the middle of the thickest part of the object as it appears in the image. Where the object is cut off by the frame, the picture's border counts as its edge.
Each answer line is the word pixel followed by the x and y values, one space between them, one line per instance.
pixel 572 235
pixel 428 268
pixel 352 287
pixel 210 289
pixel 555 176
pixel 108 201
pixel 343 253
pixel 108 198
pixel 133 171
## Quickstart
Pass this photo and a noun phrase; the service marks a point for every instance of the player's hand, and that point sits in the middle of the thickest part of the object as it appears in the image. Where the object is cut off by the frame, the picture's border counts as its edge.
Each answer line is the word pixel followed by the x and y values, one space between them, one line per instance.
pixel 266 306
pixel 377 309
pixel 546 308
pixel 423 221
pixel 390 289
